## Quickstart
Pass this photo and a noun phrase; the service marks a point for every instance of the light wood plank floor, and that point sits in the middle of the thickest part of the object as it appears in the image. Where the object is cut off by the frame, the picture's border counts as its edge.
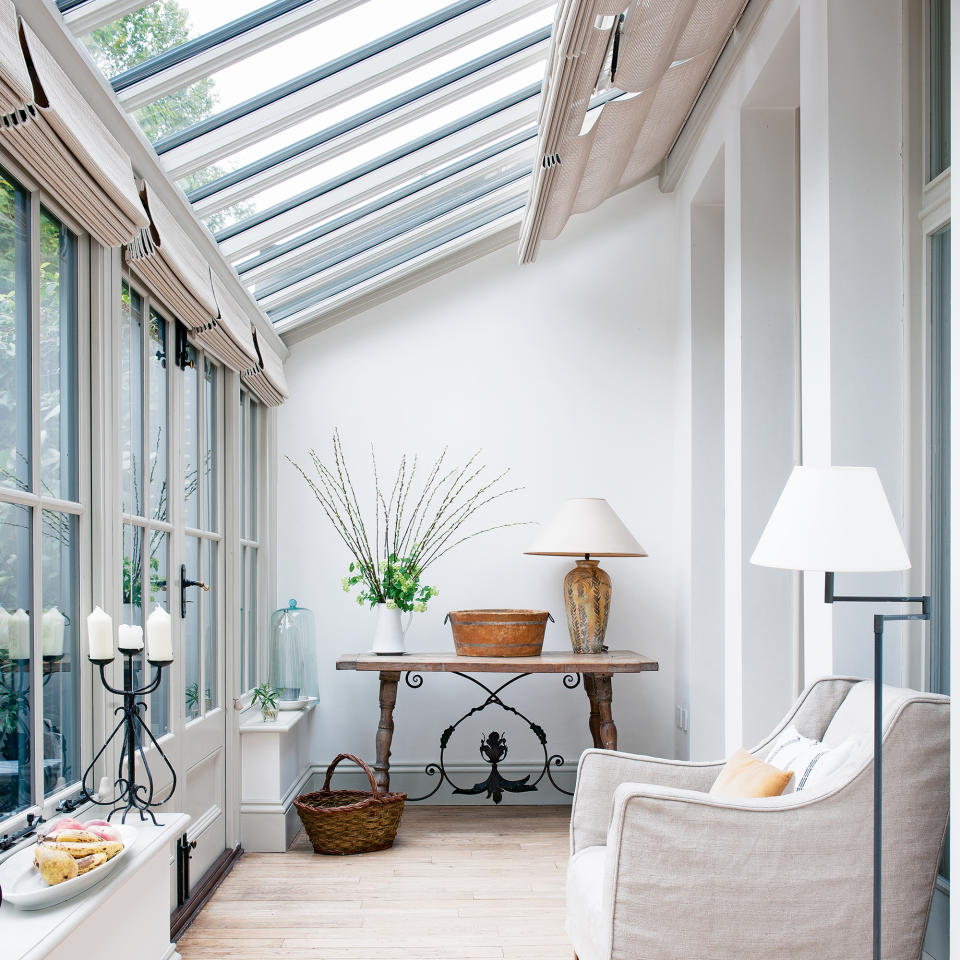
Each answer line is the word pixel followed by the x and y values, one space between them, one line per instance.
pixel 461 883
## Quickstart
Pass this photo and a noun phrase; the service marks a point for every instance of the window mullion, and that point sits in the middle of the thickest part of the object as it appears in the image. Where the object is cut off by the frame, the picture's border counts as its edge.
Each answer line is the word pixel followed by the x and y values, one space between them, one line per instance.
pixel 36 558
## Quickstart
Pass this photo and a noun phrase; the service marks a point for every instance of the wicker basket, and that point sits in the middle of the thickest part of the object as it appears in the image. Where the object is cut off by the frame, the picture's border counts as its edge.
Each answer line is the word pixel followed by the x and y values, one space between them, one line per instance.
pixel 350 821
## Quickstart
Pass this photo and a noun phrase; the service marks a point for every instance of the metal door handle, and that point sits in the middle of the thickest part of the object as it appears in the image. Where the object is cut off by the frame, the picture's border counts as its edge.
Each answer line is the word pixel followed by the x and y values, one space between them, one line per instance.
pixel 185 582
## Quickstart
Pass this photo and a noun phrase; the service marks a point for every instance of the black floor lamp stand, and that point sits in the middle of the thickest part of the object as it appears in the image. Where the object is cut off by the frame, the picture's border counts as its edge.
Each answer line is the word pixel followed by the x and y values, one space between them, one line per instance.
pixel 879 620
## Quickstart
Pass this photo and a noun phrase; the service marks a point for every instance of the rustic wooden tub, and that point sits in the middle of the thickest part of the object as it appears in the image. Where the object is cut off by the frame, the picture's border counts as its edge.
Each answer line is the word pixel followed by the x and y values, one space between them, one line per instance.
pixel 498 633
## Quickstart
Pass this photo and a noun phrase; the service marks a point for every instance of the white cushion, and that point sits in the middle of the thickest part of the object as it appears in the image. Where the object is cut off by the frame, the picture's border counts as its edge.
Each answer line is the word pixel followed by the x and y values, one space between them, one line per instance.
pixel 854 717
pixel 815 766
pixel 587 922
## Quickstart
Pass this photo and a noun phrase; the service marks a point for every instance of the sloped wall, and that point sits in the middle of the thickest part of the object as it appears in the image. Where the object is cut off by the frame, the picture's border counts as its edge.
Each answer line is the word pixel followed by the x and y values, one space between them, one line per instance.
pixel 563 371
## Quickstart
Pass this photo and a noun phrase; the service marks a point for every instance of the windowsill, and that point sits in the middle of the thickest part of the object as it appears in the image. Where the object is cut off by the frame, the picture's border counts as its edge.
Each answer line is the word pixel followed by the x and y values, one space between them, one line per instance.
pixel 285 722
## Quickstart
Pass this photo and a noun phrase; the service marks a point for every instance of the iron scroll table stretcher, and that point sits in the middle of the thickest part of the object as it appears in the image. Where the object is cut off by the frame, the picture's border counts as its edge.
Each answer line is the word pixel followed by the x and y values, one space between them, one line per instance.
pixel 596 669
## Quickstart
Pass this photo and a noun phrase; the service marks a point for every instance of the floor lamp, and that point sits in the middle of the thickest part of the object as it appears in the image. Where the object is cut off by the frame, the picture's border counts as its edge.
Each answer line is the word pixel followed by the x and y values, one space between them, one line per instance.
pixel 838 519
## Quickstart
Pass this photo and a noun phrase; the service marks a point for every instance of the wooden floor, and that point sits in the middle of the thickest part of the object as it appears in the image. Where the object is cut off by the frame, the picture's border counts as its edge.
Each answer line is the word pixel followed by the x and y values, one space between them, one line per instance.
pixel 460 882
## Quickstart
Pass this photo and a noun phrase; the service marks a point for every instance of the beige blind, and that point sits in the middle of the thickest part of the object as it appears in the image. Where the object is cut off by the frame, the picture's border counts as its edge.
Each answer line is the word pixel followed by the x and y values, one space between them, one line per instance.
pixel 67 147
pixel 228 336
pixel 657 56
pixel 16 90
pixel 171 265
pixel 265 379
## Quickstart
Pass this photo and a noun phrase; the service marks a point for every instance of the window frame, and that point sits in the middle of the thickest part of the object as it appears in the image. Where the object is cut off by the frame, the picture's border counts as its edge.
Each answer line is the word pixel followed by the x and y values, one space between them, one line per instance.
pixel 251 506
pixel 36 501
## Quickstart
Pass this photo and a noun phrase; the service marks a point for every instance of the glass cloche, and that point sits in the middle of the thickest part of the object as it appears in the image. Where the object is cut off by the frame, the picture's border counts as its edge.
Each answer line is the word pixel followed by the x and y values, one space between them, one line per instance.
pixel 293 656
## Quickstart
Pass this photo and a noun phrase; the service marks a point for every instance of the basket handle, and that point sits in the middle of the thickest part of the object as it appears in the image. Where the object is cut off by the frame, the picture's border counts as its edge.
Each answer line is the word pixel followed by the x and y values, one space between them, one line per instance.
pixel 359 763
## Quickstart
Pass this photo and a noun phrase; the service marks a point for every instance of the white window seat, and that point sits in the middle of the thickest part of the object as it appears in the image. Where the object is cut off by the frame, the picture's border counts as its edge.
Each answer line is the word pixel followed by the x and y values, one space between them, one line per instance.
pixel 126 915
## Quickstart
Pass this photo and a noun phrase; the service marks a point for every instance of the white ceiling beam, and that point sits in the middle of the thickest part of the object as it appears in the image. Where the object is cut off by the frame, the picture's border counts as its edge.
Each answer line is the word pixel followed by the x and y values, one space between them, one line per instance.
pixel 342 86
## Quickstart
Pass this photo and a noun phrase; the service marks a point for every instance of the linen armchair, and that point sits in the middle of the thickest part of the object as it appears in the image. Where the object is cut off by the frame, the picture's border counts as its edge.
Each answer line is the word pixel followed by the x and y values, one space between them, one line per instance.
pixel 661 870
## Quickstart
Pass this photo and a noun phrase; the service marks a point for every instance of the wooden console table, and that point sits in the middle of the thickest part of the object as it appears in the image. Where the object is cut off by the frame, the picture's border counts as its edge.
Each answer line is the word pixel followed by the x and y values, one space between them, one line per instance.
pixel 597 670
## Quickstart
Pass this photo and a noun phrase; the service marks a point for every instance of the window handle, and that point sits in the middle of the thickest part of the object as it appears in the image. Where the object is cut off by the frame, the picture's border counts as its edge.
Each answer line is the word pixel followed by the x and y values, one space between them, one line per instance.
pixel 185 582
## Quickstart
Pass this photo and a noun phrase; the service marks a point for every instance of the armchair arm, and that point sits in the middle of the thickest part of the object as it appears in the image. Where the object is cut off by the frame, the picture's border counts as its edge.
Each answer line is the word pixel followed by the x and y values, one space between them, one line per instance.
pixel 692 875
pixel 600 773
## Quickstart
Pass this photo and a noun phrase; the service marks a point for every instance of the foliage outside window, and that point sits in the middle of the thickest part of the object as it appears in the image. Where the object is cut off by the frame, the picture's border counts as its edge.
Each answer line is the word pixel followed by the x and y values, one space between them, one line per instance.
pixel 137 37
pixel 40 505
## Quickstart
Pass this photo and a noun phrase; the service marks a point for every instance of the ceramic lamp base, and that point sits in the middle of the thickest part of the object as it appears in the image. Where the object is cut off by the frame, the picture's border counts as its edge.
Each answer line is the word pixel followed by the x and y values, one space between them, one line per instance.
pixel 586 594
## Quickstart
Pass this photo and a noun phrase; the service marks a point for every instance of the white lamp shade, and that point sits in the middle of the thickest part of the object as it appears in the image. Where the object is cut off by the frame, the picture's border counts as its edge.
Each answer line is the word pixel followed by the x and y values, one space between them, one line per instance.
pixel 833 519
pixel 585 525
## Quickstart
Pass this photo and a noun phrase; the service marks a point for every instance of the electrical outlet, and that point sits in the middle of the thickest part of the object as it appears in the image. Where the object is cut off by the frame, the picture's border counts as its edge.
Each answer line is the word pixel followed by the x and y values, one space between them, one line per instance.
pixel 682 718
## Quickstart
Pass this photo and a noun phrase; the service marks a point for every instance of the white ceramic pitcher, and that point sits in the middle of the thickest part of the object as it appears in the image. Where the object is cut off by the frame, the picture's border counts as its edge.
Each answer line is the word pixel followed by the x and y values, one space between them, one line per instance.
pixel 390 632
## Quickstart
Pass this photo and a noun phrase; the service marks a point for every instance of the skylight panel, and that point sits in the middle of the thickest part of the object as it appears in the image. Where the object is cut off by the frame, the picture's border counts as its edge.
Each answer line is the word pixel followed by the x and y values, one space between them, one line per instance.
pixel 387 143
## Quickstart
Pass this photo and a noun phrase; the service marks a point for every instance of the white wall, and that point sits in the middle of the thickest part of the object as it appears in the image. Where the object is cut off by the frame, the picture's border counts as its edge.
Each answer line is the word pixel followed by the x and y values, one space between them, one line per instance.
pixel 564 371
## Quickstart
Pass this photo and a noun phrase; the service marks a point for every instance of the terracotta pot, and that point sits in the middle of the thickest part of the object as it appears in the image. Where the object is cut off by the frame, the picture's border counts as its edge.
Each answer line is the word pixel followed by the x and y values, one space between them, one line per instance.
pixel 498 633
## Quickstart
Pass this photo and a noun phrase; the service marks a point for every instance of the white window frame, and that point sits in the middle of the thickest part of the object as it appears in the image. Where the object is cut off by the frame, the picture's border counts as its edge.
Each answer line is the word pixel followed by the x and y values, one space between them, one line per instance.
pixel 36 501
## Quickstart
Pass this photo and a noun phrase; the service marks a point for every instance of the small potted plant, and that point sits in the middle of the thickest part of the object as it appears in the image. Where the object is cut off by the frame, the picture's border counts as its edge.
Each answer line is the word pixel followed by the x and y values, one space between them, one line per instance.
pixel 267 698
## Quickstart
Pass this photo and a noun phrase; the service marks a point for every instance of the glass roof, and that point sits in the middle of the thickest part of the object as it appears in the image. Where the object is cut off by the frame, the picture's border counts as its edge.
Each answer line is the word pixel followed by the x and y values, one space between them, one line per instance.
pixel 331 146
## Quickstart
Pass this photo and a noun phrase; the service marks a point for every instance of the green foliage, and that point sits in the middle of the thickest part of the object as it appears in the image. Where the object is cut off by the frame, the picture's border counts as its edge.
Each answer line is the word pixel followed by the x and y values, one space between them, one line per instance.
pixel 420 522
pixel 399 582
pixel 137 37
pixel 265 696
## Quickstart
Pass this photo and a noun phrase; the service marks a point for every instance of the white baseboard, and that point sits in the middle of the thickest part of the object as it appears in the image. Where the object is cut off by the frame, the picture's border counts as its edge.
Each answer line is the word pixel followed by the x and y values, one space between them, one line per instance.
pixel 269 826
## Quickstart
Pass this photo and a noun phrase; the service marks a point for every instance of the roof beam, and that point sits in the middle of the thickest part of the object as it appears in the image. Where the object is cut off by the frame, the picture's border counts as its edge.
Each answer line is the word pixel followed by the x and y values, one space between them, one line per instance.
pixel 198 58
pixel 364 69
pixel 383 118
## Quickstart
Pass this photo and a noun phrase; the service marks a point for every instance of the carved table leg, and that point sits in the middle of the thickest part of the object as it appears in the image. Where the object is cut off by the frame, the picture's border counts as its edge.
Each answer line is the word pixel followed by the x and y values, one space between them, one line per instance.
pixel 388 700
pixel 603 692
pixel 590 688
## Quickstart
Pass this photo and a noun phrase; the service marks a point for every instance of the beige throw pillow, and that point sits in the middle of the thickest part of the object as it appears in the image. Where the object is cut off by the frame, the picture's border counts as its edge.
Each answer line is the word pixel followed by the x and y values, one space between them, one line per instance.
pixel 745 775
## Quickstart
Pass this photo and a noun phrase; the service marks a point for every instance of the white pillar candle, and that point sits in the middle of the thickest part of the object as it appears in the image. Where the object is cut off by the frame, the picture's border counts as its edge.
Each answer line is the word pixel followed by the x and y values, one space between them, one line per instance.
pixel 51 632
pixel 129 637
pixel 19 636
pixel 100 635
pixel 159 636
pixel 4 633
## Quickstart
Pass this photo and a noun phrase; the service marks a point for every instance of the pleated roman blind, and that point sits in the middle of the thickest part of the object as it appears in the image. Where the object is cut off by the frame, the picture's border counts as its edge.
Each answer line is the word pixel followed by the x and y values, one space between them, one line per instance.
pixel 265 379
pixel 656 54
pixel 228 336
pixel 62 142
pixel 16 90
pixel 171 265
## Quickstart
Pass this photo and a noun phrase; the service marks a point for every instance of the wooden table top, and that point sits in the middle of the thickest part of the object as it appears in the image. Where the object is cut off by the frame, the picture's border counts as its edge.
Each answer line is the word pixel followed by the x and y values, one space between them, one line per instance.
pixel 550 661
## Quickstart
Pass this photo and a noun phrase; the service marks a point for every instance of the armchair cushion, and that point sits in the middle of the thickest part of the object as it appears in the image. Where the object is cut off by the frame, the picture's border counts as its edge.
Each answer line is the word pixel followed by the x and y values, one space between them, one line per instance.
pixel 813 765
pixel 745 775
pixel 587 921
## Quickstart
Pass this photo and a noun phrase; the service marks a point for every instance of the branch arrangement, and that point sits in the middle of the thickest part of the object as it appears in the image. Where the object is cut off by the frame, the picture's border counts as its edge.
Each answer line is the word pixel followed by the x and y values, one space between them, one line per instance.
pixel 417 524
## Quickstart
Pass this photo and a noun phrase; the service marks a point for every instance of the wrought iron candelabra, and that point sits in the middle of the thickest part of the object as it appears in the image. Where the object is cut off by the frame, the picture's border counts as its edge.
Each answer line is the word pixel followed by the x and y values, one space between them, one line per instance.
pixel 131 795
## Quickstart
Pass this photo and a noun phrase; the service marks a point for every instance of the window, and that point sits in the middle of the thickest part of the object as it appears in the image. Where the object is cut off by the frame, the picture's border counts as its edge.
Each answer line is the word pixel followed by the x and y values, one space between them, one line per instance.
pixel 144 457
pixel 251 427
pixel 203 538
pixel 938 80
pixel 40 507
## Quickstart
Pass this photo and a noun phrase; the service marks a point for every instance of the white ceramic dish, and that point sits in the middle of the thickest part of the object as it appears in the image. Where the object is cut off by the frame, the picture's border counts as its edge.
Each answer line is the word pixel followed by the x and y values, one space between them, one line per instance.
pixel 26 889
pixel 298 704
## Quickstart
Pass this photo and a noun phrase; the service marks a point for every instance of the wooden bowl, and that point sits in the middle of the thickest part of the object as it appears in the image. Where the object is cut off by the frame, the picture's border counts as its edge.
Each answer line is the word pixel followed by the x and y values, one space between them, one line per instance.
pixel 498 633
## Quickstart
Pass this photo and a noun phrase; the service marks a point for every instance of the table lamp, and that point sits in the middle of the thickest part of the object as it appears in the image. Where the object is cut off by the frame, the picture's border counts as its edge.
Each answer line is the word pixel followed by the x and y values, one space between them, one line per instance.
pixel 838 519
pixel 587 527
